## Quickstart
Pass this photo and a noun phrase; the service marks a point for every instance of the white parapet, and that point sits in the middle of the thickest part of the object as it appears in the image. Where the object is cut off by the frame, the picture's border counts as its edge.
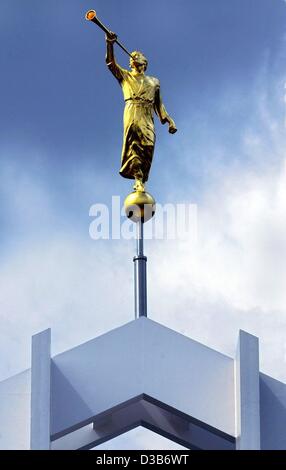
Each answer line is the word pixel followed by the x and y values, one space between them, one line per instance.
pixel 247 392
pixel 143 374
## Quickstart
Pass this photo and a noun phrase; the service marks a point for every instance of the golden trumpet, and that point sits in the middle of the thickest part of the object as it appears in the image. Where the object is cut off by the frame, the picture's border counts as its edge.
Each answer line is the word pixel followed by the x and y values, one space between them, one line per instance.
pixel 91 16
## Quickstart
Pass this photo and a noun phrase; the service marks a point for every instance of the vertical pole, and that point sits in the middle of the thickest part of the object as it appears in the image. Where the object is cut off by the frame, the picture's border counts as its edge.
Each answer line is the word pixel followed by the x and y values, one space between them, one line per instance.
pixel 140 284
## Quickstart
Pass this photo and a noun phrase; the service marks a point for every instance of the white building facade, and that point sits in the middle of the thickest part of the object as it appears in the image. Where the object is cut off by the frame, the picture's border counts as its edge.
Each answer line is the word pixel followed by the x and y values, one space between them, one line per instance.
pixel 143 374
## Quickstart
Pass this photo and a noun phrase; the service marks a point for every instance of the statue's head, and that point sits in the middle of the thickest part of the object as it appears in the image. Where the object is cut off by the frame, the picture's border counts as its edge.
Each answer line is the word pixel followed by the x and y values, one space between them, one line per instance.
pixel 138 60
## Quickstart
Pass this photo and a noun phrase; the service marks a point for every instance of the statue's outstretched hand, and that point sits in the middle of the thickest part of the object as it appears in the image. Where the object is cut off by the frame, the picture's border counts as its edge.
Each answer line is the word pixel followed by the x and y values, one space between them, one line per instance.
pixel 172 126
pixel 111 37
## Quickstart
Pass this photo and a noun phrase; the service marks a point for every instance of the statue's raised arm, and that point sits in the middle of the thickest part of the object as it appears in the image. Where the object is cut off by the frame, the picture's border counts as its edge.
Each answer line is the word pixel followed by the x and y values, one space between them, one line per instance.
pixel 117 71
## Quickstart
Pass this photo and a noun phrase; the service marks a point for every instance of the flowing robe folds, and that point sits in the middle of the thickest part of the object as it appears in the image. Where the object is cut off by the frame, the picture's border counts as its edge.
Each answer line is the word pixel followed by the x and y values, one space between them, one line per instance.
pixel 142 98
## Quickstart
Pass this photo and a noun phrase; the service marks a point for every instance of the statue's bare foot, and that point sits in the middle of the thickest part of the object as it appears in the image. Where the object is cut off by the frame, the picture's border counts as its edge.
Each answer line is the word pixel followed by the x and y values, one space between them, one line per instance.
pixel 139 186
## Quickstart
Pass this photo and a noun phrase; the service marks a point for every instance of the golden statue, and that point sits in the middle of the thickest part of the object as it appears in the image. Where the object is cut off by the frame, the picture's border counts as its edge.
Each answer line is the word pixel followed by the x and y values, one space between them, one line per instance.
pixel 142 98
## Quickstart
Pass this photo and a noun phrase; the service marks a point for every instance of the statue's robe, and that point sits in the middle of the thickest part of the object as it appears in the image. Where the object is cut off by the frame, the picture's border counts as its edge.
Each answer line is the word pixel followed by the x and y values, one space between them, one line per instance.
pixel 142 99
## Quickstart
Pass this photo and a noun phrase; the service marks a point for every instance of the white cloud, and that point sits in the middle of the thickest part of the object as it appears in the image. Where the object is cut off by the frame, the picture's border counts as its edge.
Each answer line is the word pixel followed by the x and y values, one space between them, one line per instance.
pixel 67 284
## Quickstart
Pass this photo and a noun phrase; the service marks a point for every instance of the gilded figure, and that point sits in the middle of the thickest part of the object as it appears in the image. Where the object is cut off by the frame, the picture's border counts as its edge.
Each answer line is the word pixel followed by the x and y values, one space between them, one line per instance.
pixel 142 99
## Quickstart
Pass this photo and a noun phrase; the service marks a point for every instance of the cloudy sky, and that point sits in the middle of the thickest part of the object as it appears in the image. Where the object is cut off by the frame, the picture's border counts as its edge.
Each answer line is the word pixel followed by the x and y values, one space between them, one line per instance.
pixel 221 64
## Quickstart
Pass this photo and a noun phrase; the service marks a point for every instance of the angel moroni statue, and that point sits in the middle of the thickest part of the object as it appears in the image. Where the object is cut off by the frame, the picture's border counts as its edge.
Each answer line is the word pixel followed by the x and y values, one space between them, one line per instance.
pixel 142 99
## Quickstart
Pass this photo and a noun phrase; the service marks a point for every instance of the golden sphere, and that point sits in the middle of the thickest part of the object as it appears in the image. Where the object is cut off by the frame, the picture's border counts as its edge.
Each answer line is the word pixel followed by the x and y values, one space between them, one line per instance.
pixel 139 205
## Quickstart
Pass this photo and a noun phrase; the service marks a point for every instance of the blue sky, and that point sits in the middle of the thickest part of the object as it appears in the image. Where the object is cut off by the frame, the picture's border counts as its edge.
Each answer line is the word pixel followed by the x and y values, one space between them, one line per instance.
pixel 221 64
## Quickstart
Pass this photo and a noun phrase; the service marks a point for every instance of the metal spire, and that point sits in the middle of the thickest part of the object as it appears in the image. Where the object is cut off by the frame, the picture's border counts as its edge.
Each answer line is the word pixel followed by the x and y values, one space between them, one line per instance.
pixel 140 277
